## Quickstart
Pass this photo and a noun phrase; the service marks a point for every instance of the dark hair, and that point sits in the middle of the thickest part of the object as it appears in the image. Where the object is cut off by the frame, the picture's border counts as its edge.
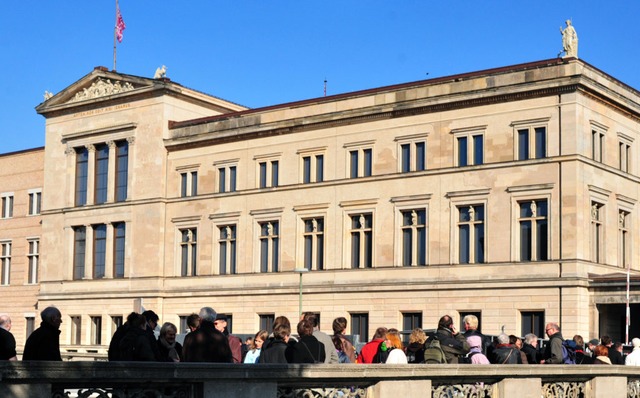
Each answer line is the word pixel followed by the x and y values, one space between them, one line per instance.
pixel 151 316
pixel 132 316
pixel 605 340
pixel 512 339
pixel 138 321
pixel 282 328
pixel 579 341
pixel 311 317
pixel 305 328
pixel 339 325
pixel 193 320
pixel 445 322
pixel 617 345
pixel 380 333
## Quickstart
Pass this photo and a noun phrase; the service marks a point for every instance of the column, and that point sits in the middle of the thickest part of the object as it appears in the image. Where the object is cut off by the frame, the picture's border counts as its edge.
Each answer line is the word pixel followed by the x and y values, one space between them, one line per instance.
pixel 111 184
pixel 88 254
pixel 108 260
pixel 401 388
pixel 607 387
pixel 521 388
pixel 91 173
pixel 131 162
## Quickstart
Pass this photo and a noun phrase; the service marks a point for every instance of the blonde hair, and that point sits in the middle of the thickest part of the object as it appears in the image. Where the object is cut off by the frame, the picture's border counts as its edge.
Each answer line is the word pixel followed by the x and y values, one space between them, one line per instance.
pixel 394 339
pixel 417 336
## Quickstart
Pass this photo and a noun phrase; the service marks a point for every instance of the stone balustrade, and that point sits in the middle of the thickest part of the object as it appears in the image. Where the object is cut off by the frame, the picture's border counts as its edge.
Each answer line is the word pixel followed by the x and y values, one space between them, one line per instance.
pixel 129 379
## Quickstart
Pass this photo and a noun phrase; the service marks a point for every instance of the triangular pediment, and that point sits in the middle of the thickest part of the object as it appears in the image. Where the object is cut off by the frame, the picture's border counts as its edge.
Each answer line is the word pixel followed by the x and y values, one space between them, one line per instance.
pixel 101 88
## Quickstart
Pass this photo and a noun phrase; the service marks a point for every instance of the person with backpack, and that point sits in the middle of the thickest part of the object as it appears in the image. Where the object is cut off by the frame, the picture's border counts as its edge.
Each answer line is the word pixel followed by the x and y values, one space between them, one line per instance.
pixel 344 348
pixel 452 343
pixel 553 353
pixel 475 355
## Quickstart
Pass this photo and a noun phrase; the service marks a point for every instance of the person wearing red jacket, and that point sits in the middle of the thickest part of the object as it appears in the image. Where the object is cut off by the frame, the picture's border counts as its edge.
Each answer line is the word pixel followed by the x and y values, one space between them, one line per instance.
pixel 369 351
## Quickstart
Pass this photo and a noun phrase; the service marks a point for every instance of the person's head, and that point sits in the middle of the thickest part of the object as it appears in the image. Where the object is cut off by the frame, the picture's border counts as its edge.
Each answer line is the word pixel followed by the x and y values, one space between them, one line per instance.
pixel 635 342
pixel 380 333
pixel 568 22
pixel 305 328
pixel 5 322
pixel 138 321
pixel 551 328
pixel 606 341
pixel 220 323
pixel 618 347
pixel 259 339
pixel 132 316
pixel 281 328
pixel 503 338
pixel 52 316
pixel 591 344
pixel 531 339
pixel 207 314
pixel 339 325
pixel 393 340
pixel 601 351
pixel 417 336
pixel 470 322
pixel 579 341
pixel 474 341
pixel 168 332
pixel 311 317
pixel 446 322
pixel 515 341
pixel 193 322
pixel 152 319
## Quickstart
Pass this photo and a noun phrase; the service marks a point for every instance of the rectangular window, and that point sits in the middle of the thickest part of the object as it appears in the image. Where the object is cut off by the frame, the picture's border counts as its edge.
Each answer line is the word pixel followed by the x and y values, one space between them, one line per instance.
pixel 79 250
pixel 99 250
pixel 7 205
pixel 362 241
pixel 119 234
pixel 597 232
pixel 470 149
pixel 314 243
pixel 269 246
pixel 624 154
pixel 624 238
pixel 534 236
pixel 532 143
pixel 532 322
pixel 35 202
pixel 360 162
pixel 410 321
pixel 183 327
pixel 471 245
pixel 116 322
pixel 266 322
pixel 312 168
pixel 82 172
pixel 597 145
pixel 96 330
pixel 76 330
pixel 188 184
pixel 360 327
pixel 414 237
pixel 31 324
pixel 122 170
pixel 227 179
pixel 269 173
pixel 227 244
pixel 188 251
pixel 5 259
pixel 413 156
pixel 34 260
pixel 101 173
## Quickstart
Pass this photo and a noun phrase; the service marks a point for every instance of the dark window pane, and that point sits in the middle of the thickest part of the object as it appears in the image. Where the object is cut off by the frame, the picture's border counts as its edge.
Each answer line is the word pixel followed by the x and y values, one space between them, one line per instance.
pixel 99 250
pixel 355 249
pixel 122 170
pixel 368 162
pixel 525 241
pixel 462 151
pixel 541 142
pixel 353 164
pixel 119 230
pixel 479 243
pixel 306 169
pixel 82 166
pixel 222 178
pixel 263 175
pixel 406 157
pixel 523 144
pixel 464 250
pixel 319 168
pixel 232 179
pixel 274 173
pixel 406 247
pixel 101 173
pixel 421 156
pixel 320 252
pixel 478 149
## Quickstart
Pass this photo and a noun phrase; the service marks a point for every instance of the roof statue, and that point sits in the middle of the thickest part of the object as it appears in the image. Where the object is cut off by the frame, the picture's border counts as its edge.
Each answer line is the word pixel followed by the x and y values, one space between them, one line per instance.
pixel 569 40
pixel 47 95
pixel 160 72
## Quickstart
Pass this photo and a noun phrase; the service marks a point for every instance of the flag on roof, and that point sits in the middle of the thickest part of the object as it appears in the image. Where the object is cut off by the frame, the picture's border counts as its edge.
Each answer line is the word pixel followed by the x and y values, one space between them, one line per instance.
pixel 120 25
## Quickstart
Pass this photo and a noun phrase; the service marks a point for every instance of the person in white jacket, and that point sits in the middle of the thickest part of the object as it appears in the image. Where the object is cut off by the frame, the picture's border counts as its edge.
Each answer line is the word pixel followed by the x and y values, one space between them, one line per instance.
pixel 633 359
pixel 396 353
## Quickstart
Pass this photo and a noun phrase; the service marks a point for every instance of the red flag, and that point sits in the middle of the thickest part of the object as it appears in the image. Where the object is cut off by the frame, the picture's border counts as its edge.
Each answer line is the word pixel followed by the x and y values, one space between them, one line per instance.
pixel 120 26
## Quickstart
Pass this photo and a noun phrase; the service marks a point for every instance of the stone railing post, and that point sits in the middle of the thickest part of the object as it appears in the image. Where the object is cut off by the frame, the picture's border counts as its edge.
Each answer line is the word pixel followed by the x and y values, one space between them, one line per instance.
pixel 521 388
pixel 606 387
pixel 401 388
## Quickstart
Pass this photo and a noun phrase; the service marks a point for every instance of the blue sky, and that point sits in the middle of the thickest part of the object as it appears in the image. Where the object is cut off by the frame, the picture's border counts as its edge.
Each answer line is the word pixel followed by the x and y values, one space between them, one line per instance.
pixel 260 53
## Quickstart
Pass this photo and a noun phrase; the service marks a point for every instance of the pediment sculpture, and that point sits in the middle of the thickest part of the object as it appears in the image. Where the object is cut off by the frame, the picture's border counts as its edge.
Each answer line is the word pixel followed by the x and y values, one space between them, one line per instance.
pixel 102 88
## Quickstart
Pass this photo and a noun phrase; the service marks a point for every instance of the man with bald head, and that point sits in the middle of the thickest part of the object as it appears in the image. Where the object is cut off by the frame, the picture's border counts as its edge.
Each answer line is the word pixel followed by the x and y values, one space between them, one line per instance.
pixel 7 341
pixel 44 342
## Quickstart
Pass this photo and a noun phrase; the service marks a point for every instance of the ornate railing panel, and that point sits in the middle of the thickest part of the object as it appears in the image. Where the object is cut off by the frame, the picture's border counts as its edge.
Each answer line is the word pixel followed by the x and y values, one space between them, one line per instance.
pixel 477 390
pixel 633 388
pixel 345 392
pixel 563 390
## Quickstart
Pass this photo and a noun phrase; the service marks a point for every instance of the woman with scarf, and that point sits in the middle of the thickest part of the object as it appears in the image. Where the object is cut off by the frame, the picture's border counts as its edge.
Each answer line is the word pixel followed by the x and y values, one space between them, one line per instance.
pixel 170 349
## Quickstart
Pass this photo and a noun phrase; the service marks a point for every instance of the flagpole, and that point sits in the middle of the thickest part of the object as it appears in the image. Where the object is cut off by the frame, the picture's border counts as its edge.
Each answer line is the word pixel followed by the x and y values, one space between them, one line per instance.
pixel 115 27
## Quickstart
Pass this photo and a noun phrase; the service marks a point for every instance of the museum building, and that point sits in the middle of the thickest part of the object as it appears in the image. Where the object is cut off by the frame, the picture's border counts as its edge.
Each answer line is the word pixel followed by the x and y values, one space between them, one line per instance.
pixel 509 193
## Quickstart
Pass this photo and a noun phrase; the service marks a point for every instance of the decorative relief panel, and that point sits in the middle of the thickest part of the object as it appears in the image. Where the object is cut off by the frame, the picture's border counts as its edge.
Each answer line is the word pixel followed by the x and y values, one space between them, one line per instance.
pixel 346 392
pixel 563 390
pixel 102 88
pixel 479 390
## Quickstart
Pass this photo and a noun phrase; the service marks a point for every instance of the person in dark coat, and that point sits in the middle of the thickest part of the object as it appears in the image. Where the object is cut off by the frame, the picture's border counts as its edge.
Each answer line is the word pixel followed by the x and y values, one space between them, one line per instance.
pixel 415 349
pixel 308 349
pixel 114 344
pixel 152 323
pixel 170 349
pixel 581 357
pixel 44 342
pixel 614 355
pixel 207 344
pixel 7 341
pixel 530 348
pixel 274 350
pixel 135 344
pixel 235 343
pixel 453 344
pixel 505 353
pixel 471 324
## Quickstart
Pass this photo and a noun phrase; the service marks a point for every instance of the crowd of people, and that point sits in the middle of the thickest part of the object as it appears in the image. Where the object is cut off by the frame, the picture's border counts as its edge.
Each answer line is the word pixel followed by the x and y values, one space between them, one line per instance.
pixel 209 340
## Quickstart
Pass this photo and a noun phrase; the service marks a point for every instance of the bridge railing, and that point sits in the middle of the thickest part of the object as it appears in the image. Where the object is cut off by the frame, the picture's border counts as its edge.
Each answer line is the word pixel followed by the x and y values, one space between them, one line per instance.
pixel 138 379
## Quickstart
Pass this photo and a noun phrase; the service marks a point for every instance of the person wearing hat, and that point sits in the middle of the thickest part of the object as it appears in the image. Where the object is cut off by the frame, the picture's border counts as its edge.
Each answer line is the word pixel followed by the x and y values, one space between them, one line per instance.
pixel 591 346
pixel 234 342
pixel 633 359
